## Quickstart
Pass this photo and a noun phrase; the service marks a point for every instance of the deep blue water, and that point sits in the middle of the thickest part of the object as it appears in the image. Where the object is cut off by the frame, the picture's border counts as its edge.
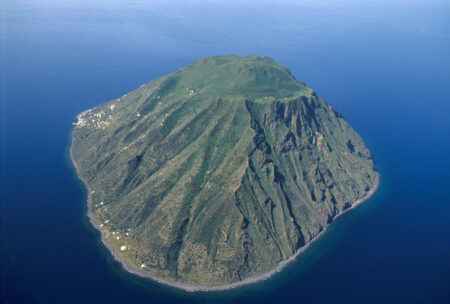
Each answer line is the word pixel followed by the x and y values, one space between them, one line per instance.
pixel 384 64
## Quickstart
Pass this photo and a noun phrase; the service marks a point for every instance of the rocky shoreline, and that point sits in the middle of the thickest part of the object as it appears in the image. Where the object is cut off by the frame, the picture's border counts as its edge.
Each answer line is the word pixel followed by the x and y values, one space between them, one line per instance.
pixel 195 287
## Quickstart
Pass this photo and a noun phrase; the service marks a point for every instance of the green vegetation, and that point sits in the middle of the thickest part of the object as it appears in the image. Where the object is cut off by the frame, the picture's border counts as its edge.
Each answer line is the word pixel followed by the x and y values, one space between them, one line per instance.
pixel 218 171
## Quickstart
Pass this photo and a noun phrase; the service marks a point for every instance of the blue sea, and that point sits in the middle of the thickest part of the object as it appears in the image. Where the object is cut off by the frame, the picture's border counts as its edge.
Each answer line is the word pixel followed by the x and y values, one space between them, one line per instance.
pixel 384 64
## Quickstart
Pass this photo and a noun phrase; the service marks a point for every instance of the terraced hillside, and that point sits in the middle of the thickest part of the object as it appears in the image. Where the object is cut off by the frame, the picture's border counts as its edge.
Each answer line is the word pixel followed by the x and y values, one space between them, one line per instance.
pixel 218 171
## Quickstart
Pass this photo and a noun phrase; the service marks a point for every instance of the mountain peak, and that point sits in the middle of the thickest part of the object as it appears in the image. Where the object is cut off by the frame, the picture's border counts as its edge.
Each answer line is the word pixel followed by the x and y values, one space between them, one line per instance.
pixel 249 77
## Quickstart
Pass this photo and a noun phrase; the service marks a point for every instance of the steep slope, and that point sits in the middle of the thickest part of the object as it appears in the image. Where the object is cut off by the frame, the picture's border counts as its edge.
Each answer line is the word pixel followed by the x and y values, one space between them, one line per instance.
pixel 218 171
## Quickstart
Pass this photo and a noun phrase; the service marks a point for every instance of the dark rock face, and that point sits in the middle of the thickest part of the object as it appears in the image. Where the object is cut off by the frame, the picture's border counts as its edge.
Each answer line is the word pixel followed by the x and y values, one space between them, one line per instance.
pixel 218 171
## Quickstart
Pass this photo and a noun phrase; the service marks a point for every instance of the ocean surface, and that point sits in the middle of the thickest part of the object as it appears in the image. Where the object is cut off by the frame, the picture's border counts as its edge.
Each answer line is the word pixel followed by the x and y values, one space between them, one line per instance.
pixel 384 64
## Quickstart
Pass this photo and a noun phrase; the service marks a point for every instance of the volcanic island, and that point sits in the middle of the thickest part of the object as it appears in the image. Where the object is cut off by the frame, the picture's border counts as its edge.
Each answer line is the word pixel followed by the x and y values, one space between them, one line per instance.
pixel 218 174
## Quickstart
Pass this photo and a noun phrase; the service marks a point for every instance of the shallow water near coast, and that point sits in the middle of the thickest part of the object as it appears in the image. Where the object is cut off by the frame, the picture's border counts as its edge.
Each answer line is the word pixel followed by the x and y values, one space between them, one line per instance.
pixel 385 65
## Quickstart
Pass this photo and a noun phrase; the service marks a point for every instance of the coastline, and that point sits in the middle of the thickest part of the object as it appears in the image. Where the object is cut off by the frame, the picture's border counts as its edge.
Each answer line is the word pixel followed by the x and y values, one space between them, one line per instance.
pixel 197 287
